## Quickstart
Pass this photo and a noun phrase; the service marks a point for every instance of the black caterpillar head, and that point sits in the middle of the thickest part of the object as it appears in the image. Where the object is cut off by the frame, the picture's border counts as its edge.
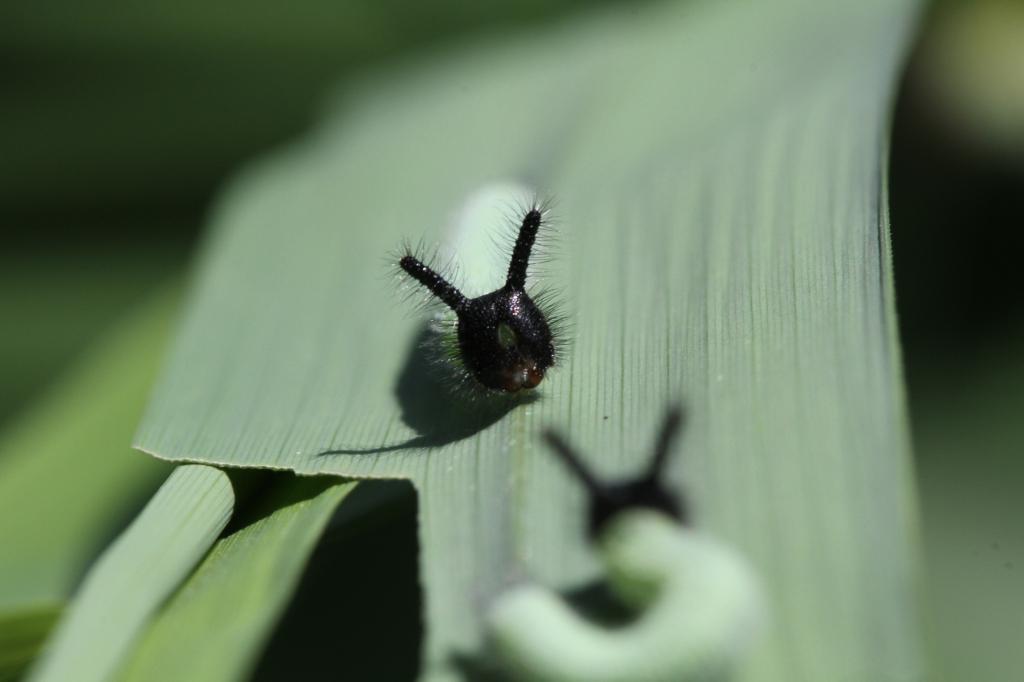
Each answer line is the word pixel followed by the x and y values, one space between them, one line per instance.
pixel 647 491
pixel 504 339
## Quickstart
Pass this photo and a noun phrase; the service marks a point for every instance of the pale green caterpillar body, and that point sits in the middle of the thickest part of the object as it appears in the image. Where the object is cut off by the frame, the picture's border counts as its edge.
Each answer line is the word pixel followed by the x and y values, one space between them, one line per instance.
pixel 698 601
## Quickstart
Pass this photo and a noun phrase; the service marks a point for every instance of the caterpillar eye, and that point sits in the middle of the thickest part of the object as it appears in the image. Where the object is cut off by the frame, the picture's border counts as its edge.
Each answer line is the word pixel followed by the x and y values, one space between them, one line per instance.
pixel 506 337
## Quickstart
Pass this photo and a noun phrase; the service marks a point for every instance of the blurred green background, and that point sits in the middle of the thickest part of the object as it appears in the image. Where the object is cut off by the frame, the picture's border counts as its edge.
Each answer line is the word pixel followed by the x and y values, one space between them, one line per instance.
pixel 119 124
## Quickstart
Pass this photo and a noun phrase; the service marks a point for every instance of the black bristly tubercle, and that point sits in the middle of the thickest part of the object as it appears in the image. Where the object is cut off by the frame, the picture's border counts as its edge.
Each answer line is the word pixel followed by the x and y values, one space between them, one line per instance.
pixel 504 339
pixel 520 260
pixel 647 491
pixel 441 288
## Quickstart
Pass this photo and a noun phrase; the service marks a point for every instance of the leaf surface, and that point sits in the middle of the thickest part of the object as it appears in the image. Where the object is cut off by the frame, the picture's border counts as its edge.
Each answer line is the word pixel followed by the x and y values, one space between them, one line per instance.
pixel 224 613
pixel 719 171
pixel 135 574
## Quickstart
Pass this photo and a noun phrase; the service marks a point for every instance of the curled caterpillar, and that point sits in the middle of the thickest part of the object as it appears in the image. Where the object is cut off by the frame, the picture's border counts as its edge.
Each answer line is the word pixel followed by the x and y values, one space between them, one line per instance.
pixel 696 603
pixel 504 338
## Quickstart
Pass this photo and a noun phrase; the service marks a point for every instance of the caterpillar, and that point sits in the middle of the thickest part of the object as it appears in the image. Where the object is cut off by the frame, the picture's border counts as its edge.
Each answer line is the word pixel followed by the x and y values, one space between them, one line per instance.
pixel 696 603
pixel 504 341
pixel 608 499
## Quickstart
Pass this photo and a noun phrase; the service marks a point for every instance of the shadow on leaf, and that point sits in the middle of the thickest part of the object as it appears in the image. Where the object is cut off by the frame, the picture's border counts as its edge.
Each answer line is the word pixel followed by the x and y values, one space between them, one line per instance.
pixel 434 405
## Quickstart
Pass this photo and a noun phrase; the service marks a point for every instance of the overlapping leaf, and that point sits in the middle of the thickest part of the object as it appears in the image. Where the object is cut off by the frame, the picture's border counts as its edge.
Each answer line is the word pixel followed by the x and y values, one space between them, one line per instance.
pixel 135 574
pixel 66 490
pixel 225 611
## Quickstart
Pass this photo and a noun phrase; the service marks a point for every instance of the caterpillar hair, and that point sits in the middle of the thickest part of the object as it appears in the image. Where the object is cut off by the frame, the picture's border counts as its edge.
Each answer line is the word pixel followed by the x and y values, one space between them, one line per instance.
pixel 506 340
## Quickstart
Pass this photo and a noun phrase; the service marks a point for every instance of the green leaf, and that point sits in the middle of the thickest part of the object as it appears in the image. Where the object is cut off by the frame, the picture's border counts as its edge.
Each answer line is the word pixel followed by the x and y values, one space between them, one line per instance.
pixel 68 479
pixel 21 636
pixel 136 573
pixel 224 613
pixel 719 171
